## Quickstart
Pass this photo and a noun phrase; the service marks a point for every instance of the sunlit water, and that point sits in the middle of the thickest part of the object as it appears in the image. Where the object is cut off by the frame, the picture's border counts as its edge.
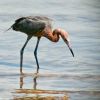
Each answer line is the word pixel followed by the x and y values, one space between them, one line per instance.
pixel 58 69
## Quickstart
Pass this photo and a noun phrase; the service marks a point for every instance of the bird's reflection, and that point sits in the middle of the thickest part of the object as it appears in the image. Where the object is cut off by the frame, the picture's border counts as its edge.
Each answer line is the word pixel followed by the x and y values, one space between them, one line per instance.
pixel 35 82
pixel 21 82
pixel 22 77
pixel 37 93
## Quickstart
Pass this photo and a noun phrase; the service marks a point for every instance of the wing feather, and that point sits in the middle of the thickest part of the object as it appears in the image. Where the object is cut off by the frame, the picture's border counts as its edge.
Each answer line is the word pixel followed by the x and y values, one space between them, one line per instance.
pixel 32 25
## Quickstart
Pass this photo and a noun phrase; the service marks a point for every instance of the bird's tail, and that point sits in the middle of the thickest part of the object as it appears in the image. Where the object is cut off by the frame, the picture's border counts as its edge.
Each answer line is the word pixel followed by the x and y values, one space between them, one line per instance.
pixel 8 29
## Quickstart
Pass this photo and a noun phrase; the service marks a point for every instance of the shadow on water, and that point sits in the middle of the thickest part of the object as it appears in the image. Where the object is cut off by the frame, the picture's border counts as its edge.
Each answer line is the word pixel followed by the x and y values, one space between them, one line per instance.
pixel 37 94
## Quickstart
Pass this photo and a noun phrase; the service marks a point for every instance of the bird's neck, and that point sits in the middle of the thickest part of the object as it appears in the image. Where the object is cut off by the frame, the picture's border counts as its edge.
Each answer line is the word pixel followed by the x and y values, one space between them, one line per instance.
pixel 52 36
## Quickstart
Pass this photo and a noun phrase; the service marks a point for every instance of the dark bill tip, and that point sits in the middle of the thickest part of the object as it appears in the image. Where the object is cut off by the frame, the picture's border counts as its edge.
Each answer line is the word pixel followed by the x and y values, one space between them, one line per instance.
pixel 67 42
pixel 72 52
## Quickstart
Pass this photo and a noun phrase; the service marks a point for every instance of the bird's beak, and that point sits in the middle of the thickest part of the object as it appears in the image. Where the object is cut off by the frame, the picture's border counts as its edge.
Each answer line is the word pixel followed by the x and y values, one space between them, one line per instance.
pixel 68 44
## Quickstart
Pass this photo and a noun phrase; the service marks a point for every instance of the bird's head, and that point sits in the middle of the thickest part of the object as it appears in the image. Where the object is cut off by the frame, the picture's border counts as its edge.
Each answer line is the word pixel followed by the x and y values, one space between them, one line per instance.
pixel 65 37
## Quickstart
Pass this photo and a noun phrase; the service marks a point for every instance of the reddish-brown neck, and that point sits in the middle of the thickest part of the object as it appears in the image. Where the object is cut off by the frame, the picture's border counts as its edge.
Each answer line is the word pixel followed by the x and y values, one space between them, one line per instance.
pixel 55 35
pixel 52 36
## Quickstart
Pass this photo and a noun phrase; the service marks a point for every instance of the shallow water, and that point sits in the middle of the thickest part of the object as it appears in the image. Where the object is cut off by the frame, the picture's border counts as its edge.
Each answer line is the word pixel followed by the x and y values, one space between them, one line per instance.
pixel 58 69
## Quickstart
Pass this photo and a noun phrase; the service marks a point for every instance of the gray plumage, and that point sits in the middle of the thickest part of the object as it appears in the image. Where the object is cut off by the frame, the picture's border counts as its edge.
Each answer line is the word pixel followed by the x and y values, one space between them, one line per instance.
pixel 32 24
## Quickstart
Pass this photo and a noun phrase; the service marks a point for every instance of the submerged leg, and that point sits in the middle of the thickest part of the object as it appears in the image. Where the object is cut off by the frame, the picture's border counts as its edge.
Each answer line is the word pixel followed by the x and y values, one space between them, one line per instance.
pixel 35 53
pixel 21 53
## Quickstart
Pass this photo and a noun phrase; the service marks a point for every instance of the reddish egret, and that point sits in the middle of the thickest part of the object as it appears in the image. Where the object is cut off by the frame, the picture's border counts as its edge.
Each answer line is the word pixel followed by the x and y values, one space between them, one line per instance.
pixel 39 27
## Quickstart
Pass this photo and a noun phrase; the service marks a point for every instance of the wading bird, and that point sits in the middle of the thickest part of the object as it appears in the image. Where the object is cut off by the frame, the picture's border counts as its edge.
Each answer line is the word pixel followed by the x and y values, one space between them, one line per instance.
pixel 38 26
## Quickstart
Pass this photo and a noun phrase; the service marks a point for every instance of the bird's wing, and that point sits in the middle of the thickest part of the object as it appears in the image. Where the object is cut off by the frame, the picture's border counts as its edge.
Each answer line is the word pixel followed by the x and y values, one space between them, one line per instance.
pixel 42 18
pixel 28 25
pixel 46 20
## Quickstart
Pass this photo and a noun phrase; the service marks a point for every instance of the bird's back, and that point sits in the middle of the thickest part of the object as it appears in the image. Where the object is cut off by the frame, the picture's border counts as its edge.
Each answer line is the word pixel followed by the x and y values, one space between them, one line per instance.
pixel 32 25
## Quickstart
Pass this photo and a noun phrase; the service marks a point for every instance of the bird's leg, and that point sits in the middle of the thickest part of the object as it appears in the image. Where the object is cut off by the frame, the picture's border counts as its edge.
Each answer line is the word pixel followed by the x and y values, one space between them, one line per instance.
pixel 35 53
pixel 21 53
